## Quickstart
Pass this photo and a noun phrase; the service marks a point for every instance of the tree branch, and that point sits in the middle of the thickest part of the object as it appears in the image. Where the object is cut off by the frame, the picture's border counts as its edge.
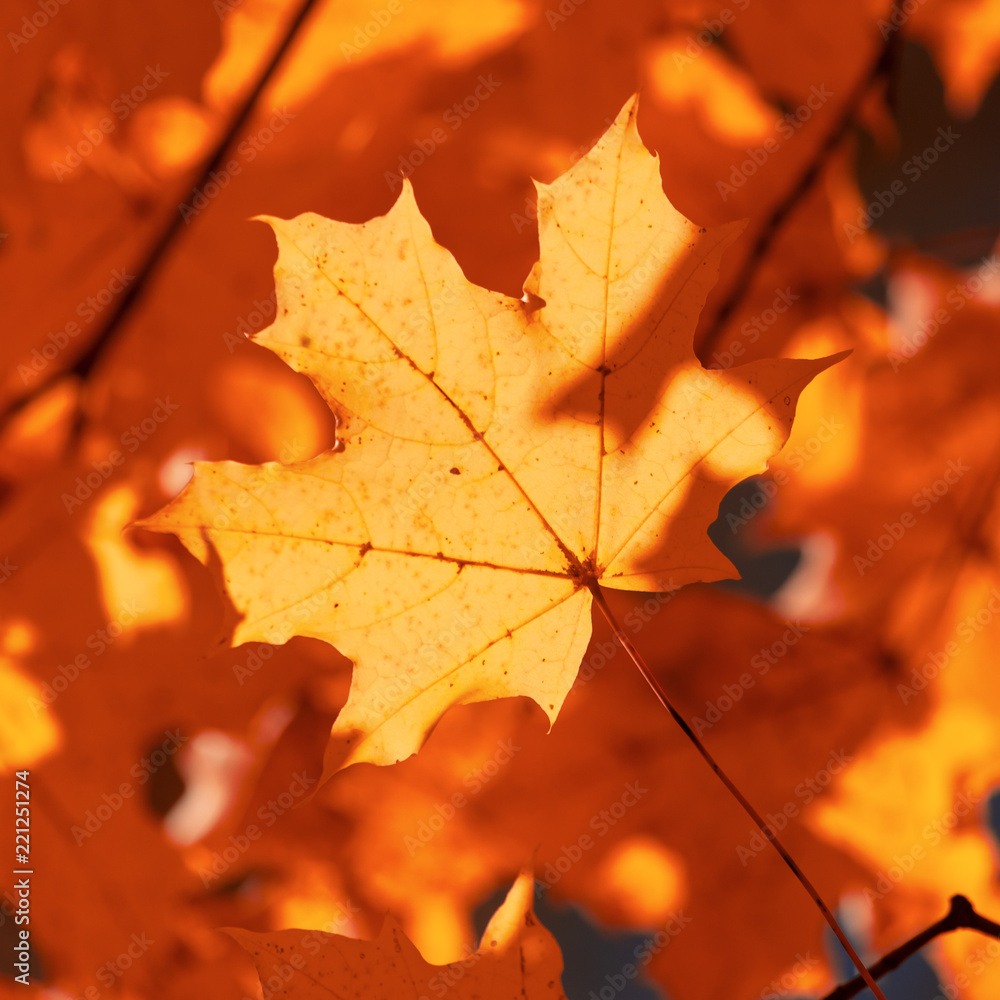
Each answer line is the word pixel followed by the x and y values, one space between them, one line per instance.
pixel 961 915
pixel 120 309
pixel 881 65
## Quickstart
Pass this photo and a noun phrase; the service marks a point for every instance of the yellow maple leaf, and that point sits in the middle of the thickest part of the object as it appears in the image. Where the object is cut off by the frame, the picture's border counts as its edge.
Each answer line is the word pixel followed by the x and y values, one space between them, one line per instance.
pixel 500 458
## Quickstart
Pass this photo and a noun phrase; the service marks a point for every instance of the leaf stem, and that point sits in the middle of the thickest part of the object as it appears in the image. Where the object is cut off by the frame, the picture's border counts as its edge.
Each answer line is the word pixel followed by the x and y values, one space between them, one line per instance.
pixel 768 833
pixel 961 915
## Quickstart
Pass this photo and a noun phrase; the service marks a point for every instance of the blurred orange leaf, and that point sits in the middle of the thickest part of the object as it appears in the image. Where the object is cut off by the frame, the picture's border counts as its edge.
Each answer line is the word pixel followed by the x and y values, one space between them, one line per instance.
pixel 517 958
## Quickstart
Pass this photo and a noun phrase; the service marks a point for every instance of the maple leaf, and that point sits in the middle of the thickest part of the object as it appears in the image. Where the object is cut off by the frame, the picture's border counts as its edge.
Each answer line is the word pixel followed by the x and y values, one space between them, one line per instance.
pixel 415 848
pixel 517 958
pixel 499 457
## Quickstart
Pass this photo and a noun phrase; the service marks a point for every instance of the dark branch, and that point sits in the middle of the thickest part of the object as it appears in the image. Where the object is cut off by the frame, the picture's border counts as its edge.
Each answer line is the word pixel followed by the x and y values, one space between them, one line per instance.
pixel 119 311
pixel 962 915
pixel 881 66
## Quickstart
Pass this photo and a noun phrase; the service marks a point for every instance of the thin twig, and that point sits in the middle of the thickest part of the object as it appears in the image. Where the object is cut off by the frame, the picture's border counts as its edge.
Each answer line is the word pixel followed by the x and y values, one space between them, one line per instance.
pixel 961 915
pixel 122 306
pixel 766 830
pixel 882 64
